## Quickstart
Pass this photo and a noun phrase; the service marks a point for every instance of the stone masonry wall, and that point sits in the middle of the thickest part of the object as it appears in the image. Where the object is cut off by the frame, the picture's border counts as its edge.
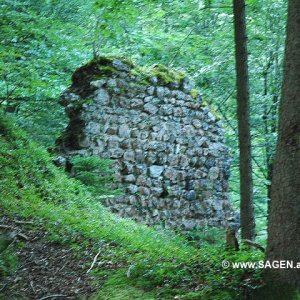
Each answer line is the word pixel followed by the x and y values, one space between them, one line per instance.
pixel 168 146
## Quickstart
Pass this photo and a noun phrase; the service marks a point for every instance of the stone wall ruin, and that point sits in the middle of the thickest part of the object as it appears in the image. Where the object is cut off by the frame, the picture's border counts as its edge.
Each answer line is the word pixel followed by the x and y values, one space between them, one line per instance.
pixel 168 146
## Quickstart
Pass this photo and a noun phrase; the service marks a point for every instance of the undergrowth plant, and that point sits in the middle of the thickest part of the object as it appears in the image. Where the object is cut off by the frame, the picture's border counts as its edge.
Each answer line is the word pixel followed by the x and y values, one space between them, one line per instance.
pixel 96 173
pixel 8 261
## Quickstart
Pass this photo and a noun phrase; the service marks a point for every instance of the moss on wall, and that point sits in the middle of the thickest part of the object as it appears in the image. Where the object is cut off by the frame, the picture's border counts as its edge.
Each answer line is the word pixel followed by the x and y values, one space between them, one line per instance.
pixel 103 67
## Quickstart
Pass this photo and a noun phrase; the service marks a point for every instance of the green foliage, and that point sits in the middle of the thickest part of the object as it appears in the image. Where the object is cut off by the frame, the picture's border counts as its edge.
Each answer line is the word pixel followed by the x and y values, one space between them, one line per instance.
pixel 94 172
pixel 41 44
pixel 158 261
pixel 36 57
pixel 8 259
pixel 167 75
pixel 205 235
pixel 194 93
pixel 39 177
pixel 118 287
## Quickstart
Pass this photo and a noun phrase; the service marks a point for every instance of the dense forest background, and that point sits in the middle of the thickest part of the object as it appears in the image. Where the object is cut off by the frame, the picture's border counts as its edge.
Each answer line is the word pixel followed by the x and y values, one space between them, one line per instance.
pixel 37 61
pixel 42 43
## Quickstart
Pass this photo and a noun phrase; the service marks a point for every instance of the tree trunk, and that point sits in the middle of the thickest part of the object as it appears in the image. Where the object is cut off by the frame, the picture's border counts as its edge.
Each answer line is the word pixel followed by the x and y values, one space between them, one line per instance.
pixel 284 217
pixel 242 83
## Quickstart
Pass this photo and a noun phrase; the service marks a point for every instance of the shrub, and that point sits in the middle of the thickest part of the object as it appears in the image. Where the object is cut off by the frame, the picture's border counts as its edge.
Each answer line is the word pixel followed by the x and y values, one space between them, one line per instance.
pixel 96 173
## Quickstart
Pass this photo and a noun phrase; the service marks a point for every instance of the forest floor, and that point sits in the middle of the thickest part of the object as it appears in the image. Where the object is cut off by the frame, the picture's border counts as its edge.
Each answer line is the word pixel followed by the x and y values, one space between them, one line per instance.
pixel 42 267
pixel 47 269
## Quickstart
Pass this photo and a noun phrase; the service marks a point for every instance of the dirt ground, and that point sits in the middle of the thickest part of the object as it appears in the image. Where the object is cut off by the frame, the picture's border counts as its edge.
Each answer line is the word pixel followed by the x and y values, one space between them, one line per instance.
pixel 46 269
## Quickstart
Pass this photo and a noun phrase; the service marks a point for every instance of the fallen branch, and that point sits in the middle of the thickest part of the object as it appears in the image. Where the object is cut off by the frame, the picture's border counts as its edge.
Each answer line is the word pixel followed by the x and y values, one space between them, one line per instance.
pixel 18 234
pixel 94 261
pixel 22 222
pixel 53 296
pixel 32 286
pixel 23 236
pixel 4 287
pixel 61 268
pixel 7 227
pixel 254 244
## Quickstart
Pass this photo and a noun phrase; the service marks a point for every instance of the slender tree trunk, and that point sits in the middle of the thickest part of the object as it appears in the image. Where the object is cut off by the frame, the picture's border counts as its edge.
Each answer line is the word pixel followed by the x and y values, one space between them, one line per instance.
pixel 284 217
pixel 269 127
pixel 242 83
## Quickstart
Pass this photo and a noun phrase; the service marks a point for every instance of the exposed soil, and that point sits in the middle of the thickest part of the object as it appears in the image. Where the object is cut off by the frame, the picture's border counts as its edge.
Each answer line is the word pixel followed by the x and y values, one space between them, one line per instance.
pixel 47 268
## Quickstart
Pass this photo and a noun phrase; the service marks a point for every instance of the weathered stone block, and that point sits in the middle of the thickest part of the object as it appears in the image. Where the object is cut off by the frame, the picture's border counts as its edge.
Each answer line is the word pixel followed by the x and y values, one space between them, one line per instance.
pixel 156 171
pixel 129 156
pixel 124 131
pixel 213 173
pixel 102 97
pixel 150 108
pixel 130 178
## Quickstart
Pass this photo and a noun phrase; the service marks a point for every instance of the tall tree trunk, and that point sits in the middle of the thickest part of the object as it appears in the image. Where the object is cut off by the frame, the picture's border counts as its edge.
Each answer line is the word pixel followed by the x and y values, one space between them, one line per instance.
pixel 269 128
pixel 242 83
pixel 284 217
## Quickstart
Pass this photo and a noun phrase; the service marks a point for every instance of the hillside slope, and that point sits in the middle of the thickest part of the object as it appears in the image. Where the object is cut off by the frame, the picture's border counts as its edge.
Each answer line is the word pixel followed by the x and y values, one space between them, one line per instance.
pixel 133 261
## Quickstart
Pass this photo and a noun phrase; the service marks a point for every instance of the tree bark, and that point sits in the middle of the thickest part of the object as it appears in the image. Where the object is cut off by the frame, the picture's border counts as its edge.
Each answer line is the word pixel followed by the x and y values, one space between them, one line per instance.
pixel 284 217
pixel 242 84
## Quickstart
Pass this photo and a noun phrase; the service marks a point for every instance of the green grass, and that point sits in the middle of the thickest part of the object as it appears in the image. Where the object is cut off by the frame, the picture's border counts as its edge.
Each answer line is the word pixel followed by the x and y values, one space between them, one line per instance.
pixel 8 261
pixel 118 287
pixel 151 263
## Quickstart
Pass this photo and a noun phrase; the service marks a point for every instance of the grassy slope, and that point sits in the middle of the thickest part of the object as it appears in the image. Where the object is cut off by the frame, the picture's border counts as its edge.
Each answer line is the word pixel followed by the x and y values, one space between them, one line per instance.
pixel 152 264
